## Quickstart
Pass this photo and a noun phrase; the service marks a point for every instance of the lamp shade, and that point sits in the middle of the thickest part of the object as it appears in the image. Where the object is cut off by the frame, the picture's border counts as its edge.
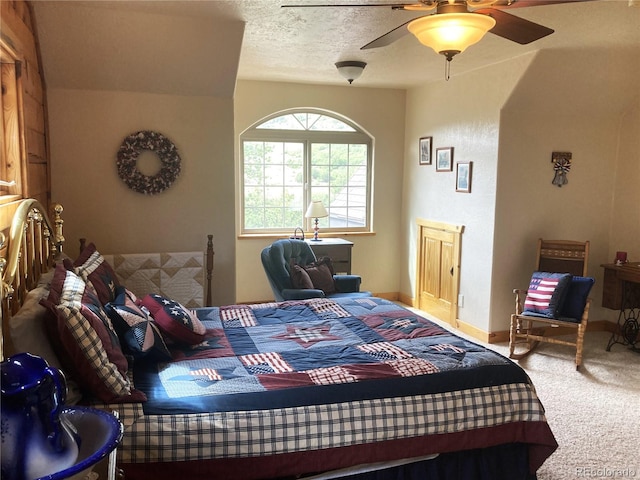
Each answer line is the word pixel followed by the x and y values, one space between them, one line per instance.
pixel 316 210
pixel 350 69
pixel 451 33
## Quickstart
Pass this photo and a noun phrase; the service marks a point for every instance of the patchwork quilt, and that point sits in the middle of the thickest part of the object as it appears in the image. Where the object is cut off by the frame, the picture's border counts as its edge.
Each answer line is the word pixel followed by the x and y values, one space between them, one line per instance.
pixel 271 382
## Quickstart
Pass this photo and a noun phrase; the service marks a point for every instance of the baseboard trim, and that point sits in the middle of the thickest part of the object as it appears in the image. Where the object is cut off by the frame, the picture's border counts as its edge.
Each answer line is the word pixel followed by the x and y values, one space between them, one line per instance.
pixel 406 299
pixel 502 336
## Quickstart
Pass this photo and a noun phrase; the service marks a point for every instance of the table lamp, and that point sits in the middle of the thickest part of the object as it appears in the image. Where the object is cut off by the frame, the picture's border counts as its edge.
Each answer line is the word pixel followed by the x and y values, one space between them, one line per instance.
pixel 316 210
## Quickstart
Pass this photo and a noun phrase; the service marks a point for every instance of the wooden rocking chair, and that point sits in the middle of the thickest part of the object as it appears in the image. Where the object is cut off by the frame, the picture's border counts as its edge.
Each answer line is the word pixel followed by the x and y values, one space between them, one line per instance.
pixel 528 325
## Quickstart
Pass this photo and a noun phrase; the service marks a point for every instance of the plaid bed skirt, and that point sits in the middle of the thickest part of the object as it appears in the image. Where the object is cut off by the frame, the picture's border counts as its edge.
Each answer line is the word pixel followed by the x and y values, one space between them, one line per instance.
pixel 220 435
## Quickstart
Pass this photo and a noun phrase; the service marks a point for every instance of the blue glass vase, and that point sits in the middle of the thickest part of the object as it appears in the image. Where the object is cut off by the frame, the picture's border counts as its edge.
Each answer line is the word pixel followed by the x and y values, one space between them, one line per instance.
pixel 36 440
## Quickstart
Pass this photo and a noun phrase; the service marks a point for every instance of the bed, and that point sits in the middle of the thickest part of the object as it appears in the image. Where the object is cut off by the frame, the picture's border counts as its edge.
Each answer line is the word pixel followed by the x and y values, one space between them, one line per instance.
pixel 321 388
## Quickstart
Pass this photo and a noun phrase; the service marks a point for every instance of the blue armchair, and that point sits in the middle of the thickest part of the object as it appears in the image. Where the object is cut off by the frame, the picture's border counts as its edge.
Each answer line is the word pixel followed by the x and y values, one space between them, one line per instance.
pixel 277 260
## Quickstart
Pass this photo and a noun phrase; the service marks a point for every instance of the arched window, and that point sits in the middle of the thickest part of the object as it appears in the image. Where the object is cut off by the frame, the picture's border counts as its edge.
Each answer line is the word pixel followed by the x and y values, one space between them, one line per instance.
pixel 293 158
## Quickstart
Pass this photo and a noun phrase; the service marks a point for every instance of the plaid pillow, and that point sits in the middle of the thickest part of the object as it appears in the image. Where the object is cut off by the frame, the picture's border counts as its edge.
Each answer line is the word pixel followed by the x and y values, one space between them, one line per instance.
pixel 92 267
pixel 546 293
pixel 85 340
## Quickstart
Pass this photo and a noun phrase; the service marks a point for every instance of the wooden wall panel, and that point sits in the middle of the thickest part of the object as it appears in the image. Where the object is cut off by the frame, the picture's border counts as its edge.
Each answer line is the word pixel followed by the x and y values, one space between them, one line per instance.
pixel 19 32
pixel 37 147
pixel 34 113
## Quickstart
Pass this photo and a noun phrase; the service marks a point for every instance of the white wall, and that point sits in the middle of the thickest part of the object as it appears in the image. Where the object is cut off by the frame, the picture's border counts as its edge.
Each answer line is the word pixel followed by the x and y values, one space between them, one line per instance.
pixel 463 113
pixel 508 119
pixel 625 217
pixel 86 130
pixel 379 112
pixel 574 101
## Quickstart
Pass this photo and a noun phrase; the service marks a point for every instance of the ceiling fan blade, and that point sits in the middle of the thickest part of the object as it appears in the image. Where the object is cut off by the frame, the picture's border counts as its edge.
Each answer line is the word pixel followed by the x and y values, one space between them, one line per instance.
pixel 503 4
pixel 389 37
pixel 394 6
pixel 515 28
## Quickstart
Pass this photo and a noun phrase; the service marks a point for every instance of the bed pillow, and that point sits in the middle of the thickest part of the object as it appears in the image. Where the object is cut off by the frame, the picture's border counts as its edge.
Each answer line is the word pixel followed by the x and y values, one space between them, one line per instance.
pixel 300 278
pixel 135 327
pixel 321 275
pixel 546 293
pixel 576 298
pixel 93 268
pixel 86 342
pixel 28 330
pixel 176 321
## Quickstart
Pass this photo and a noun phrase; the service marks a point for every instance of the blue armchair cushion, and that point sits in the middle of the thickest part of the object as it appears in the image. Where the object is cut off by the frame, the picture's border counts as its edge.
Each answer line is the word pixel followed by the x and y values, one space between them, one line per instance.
pixel 546 293
pixel 576 298
pixel 347 283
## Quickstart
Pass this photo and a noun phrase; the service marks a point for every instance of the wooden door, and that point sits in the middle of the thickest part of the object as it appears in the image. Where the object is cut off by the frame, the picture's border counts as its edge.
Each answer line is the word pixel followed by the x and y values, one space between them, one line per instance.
pixel 438 269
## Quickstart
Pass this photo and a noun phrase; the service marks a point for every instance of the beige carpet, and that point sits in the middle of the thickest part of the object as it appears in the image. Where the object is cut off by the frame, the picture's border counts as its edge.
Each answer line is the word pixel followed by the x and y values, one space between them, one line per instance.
pixel 594 413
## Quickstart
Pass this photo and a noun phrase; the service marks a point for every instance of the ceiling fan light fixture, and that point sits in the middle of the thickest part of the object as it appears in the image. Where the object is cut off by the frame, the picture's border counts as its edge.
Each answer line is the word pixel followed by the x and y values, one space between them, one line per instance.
pixel 350 69
pixel 451 33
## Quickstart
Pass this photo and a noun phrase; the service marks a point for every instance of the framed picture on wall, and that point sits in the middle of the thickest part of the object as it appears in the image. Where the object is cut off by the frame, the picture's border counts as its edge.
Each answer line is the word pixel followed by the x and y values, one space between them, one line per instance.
pixel 463 177
pixel 425 151
pixel 444 159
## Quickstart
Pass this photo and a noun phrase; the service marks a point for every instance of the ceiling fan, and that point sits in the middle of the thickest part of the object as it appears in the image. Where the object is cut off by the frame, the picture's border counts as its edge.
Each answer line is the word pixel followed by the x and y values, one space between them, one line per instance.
pixel 450 26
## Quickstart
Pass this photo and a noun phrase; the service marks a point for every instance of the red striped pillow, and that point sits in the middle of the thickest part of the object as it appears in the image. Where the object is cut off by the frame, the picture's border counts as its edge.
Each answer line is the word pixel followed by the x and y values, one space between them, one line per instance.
pixel 546 293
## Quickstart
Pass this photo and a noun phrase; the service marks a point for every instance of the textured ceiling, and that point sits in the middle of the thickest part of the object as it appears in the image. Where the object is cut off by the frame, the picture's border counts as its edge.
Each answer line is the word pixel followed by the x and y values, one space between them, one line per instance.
pixel 300 44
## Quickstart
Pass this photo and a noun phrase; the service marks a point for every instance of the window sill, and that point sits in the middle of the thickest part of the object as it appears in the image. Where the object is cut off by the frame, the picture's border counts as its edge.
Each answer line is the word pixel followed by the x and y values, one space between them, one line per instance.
pixel 307 235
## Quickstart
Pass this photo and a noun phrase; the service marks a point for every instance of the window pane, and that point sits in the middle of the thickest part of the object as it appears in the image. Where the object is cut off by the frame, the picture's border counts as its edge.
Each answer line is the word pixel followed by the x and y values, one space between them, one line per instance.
pixel 328 124
pixel 273 184
pixel 253 152
pixel 274 175
pixel 273 217
pixel 253 175
pixel 339 176
pixel 306 121
pixel 285 122
pixel 253 218
pixel 273 152
pixel 293 218
pixel 340 167
pixel 286 169
pixel 358 155
pixel 253 197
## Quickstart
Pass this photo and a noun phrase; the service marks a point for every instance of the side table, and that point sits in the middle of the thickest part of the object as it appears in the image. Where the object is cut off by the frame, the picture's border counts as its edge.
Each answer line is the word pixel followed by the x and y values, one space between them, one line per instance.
pixel 337 249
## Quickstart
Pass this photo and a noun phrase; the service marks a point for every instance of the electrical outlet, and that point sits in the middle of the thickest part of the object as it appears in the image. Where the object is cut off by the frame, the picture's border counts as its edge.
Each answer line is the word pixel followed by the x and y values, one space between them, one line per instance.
pixel 460 300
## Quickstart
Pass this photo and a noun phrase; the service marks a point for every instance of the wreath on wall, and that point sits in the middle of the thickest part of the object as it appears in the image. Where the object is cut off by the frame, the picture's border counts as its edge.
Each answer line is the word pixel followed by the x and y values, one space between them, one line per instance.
pixel 127 162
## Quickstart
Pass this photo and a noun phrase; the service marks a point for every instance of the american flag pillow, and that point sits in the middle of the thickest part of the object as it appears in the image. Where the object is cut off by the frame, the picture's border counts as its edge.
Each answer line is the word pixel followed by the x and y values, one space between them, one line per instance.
pixel 546 293
pixel 175 320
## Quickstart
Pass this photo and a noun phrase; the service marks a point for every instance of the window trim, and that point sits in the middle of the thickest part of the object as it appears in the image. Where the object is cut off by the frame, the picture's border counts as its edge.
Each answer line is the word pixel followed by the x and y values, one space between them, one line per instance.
pixel 308 137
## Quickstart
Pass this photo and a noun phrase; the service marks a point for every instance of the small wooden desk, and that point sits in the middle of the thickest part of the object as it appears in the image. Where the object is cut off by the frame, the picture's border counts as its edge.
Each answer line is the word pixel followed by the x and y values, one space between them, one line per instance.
pixel 337 249
pixel 621 291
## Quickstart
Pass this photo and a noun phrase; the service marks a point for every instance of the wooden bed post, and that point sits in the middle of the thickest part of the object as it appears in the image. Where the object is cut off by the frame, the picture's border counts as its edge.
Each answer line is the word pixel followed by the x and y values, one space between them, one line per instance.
pixel 210 255
pixel 57 223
